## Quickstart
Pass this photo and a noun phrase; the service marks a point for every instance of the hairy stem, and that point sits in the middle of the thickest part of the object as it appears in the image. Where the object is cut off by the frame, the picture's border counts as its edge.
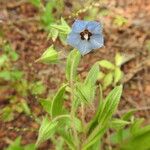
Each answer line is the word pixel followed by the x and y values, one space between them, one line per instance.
pixel 73 109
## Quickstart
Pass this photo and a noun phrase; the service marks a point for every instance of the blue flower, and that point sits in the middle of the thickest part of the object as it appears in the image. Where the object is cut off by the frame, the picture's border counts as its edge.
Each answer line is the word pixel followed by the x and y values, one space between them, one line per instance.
pixel 86 36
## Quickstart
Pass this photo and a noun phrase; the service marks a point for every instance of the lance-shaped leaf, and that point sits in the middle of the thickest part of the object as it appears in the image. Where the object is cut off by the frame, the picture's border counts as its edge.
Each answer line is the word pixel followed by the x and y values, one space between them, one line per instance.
pixel 118 123
pixel 49 56
pixel 46 104
pixel 72 64
pixel 46 130
pixel 109 105
pixel 47 16
pixel 118 59
pixel 57 103
pixel 62 28
pixel 97 133
pixel 117 75
pixel 92 75
pixel 68 138
pixel 105 113
pixel 85 92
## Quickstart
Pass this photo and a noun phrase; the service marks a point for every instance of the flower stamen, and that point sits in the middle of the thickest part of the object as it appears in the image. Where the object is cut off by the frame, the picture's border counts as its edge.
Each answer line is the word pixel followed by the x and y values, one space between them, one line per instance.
pixel 85 35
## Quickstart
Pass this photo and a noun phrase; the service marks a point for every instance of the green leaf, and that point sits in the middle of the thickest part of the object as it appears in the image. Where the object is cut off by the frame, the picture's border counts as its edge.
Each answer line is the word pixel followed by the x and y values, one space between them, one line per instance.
pixel 29 147
pixel 106 64
pixel 139 141
pixel 47 16
pixel 108 79
pixel 67 122
pixel 22 87
pixel 57 103
pixel 67 136
pixel 110 104
pixel 10 52
pixel 3 59
pixel 118 60
pixel 118 123
pixel 36 3
pixel 119 136
pixel 25 107
pixel 49 56
pixel 101 75
pixel 92 75
pixel 106 111
pixel 95 146
pixel 37 88
pixel 72 63
pixel 14 55
pixel 94 121
pixel 94 137
pixel 137 124
pixel 120 20
pixel 16 75
pixel 15 145
pixel 63 28
pixel 6 75
pixel 127 116
pixel 85 92
pixel 53 34
pixel 11 75
pixel 78 124
pixel 62 38
pixel 46 104
pixel 46 130
pixel 7 114
pixel 59 143
pixel 117 75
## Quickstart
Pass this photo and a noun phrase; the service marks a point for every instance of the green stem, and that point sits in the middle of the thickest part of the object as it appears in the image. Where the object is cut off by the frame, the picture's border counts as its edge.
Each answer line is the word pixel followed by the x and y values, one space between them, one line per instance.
pixel 73 114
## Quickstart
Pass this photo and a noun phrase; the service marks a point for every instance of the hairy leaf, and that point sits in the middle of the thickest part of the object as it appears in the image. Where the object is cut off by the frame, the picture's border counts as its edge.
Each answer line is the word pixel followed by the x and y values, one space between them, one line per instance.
pixel 46 130
pixel 57 103
pixel 49 56
pixel 72 64
pixel 110 104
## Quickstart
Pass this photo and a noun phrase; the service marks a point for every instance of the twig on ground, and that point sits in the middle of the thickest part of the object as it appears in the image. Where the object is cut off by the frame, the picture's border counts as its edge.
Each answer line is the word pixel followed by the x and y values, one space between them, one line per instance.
pixel 145 108
pixel 138 68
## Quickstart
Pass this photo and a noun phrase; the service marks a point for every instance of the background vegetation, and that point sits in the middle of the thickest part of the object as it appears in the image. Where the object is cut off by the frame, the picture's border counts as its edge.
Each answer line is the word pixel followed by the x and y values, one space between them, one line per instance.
pixel 35 61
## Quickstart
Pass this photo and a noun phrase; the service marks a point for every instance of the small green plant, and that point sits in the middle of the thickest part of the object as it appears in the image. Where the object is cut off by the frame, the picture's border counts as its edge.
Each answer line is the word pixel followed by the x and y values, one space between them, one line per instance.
pixel 12 79
pixel 112 73
pixel 46 10
pixel 16 145
pixel 132 135
pixel 120 20
pixel 67 124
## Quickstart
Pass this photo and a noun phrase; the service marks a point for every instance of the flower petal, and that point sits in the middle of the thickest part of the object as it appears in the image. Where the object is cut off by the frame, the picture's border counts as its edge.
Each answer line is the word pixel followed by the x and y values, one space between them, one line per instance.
pixel 73 39
pixel 97 41
pixel 79 26
pixel 84 47
pixel 94 27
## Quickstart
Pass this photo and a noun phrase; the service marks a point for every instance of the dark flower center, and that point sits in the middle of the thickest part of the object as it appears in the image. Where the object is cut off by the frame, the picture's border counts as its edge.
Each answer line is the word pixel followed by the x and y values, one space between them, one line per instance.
pixel 85 35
